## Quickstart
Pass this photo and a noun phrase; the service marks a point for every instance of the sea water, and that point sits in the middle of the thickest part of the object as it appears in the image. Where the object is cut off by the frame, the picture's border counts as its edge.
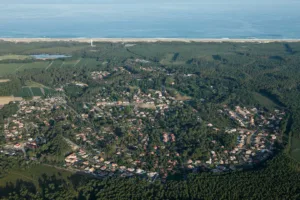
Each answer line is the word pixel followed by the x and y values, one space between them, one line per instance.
pixel 276 19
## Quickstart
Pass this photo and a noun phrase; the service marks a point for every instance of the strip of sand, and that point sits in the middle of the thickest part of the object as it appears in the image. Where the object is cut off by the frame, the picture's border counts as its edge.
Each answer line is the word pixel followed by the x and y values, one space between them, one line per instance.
pixel 147 40
pixel 4 80
pixel 7 99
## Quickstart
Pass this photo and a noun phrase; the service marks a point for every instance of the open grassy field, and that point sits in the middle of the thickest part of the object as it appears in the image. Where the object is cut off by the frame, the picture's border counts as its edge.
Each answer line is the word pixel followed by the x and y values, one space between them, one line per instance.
pixel 30 83
pixel 33 174
pixel 264 101
pixel 33 92
pixel 180 97
pixel 7 99
pixel 12 68
pixel 55 50
pixel 295 148
pixel 9 68
pixel 15 57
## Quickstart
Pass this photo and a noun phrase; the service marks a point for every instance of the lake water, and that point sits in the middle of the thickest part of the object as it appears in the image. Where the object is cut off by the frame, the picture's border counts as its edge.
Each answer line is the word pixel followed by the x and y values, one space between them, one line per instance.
pixel 276 19
pixel 48 56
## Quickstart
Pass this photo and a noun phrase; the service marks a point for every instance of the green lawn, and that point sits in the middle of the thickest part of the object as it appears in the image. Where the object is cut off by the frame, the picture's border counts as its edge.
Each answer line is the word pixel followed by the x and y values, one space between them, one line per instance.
pixel 11 68
pixel 33 174
pixel 264 101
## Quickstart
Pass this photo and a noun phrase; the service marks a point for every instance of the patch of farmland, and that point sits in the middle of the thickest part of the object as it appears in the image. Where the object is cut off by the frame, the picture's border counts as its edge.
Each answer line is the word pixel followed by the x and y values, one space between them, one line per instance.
pixel 9 68
pixel 36 91
pixel 55 50
pixel 24 92
pixel 33 84
pixel 30 92
pixel 15 57
pixel 7 99
pixel 48 91
pixel 80 63
pixel 36 65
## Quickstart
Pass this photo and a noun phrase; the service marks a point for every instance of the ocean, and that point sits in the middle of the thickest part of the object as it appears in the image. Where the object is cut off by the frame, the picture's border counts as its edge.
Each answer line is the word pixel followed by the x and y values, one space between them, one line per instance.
pixel 154 19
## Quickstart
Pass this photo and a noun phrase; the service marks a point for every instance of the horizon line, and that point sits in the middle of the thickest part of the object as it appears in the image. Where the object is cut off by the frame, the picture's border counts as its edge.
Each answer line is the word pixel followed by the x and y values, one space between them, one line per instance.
pixel 149 40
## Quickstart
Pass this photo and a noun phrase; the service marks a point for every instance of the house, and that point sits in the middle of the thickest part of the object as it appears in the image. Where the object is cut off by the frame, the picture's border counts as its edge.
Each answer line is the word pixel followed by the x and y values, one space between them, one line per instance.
pixel 209 161
pixel 92 170
pixel 86 163
pixel 140 171
pixel 130 169
pixel 32 145
pixel 189 161
pixel 165 137
pixel 152 174
pixel 122 168
pixel 71 158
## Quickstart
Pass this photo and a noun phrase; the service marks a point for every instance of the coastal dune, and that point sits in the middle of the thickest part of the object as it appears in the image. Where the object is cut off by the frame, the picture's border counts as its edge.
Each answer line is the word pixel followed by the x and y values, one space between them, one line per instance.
pixel 148 40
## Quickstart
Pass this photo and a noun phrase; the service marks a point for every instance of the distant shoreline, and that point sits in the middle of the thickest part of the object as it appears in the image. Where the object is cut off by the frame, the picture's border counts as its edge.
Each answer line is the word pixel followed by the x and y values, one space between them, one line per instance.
pixel 146 40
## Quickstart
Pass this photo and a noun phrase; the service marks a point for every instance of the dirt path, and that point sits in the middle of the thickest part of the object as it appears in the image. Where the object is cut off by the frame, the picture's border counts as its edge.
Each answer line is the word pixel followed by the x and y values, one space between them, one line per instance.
pixel 31 91
pixel 77 63
pixel 62 64
pixel 42 90
pixel 49 65
pixel 19 68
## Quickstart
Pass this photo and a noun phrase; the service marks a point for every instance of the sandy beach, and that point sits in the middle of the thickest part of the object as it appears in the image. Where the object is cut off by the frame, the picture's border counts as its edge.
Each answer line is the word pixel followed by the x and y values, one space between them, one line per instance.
pixel 147 40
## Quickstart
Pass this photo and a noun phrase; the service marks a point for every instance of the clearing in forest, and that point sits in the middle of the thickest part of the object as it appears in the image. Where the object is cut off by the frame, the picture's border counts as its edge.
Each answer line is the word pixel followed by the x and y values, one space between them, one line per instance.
pixel 180 97
pixel 35 84
pixel 15 57
pixel 7 99
pixel 264 100
pixel 147 106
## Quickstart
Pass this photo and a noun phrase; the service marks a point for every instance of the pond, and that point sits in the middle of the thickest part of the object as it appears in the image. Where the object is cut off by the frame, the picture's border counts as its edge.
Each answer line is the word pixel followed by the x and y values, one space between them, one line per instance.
pixel 49 56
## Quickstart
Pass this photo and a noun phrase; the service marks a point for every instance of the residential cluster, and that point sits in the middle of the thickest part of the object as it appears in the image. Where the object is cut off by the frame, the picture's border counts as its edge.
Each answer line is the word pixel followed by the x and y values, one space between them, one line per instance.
pixel 29 116
pixel 21 130
pixel 99 75
pixel 121 146
pixel 129 113
pixel 256 130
